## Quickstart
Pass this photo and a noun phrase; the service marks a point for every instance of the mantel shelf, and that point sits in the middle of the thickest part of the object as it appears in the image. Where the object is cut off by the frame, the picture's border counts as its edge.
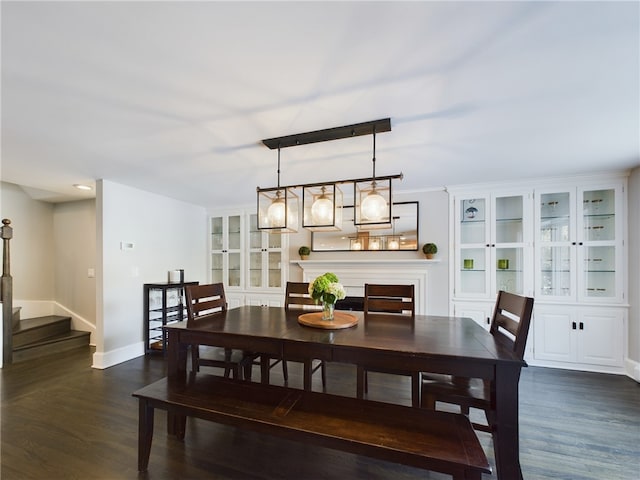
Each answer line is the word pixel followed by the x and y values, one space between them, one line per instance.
pixel 368 262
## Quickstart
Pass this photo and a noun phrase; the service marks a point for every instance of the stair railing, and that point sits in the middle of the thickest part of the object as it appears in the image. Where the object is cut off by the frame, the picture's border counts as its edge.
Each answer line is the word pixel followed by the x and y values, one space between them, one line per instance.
pixel 6 294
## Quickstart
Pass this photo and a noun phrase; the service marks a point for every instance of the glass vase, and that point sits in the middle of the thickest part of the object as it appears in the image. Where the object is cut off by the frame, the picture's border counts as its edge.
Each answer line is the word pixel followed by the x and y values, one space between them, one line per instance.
pixel 327 310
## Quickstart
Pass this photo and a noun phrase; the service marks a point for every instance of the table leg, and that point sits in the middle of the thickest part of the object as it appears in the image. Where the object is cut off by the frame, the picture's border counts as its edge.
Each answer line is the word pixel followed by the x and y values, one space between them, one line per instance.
pixel 265 362
pixel 416 389
pixel 145 433
pixel 308 374
pixel 176 370
pixel 506 439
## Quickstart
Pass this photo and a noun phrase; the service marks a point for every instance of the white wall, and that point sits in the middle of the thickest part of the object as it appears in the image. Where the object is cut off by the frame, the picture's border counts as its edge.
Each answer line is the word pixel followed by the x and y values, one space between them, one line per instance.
pixel 167 235
pixel 74 232
pixel 32 246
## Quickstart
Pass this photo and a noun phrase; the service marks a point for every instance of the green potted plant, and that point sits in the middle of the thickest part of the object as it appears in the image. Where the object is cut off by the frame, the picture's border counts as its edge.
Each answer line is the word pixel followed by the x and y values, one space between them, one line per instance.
pixel 304 252
pixel 429 249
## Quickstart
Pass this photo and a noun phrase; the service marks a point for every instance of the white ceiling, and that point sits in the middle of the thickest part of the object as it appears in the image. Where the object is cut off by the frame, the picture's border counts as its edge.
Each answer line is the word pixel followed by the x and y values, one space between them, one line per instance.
pixel 175 97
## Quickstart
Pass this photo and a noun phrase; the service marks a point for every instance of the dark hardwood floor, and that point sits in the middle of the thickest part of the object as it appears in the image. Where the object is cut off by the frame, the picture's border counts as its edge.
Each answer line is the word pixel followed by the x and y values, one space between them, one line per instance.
pixel 62 419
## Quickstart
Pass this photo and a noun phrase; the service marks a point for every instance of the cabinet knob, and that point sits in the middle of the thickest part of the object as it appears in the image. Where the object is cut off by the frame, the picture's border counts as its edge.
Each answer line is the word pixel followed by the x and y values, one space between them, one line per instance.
pixel 573 325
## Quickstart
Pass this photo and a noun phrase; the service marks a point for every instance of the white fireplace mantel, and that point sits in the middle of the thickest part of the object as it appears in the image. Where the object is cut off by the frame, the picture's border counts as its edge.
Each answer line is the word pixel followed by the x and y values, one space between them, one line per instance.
pixel 353 274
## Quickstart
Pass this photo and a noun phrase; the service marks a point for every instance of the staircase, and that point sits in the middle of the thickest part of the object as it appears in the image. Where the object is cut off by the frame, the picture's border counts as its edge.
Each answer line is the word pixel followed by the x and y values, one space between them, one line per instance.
pixel 37 337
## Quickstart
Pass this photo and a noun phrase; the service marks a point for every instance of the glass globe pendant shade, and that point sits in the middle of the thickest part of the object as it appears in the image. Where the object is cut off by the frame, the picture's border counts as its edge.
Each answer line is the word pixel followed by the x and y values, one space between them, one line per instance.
pixel 394 244
pixel 276 212
pixel 322 205
pixel 373 206
pixel 322 210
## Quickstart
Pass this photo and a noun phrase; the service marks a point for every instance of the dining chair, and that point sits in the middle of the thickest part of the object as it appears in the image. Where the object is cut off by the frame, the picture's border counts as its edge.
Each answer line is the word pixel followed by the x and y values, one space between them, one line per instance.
pixel 205 302
pixel 510 328
pixel 394 302
pixel 297 297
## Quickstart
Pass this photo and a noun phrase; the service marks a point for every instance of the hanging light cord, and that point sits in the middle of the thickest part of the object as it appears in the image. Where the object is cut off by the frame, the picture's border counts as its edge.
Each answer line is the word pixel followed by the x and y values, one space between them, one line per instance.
pixel 278 168
pixel 374 155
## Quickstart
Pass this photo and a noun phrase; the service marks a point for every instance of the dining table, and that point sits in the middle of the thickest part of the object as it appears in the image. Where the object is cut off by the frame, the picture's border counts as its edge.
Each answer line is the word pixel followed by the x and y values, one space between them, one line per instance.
pixel 424 343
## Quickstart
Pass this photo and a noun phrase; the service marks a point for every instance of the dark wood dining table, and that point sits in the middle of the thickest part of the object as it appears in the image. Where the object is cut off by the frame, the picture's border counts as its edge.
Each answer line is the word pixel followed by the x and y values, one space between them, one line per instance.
pixel 428 343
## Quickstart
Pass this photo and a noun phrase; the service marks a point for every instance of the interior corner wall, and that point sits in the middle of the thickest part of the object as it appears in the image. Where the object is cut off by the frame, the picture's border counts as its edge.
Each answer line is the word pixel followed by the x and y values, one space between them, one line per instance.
pixel 634 265
pixel 164 234
pixel 32 246
pixel 75 254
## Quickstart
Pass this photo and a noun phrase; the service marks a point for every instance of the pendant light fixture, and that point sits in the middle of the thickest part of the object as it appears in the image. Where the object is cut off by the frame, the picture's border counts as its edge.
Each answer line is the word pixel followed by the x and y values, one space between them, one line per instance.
pixel 373 199
pixel 394 242
pixel 278 208
pixel 322 205
pixel 322 202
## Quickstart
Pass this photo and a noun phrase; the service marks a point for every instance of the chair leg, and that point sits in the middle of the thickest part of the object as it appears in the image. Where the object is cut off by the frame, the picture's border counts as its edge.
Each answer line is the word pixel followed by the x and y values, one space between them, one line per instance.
pixel 195 358
pixel 227 360
pixel 428 401
pixel 360 382
pixel 323 374
pixel 285 372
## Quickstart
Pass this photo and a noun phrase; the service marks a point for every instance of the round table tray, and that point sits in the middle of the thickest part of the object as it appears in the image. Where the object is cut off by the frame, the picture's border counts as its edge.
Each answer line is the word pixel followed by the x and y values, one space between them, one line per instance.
pixel 340 320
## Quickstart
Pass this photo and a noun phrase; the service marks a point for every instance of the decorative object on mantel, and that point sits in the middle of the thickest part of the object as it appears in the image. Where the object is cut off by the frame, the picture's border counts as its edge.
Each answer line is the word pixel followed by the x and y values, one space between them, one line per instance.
pixel 429 250
pixel 304 252
pixel 327 289
pixel 322 202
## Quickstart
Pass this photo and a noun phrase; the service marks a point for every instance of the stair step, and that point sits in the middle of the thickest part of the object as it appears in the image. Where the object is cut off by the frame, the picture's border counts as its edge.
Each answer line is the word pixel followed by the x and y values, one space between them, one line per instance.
pixel 32 330
pixel 54 344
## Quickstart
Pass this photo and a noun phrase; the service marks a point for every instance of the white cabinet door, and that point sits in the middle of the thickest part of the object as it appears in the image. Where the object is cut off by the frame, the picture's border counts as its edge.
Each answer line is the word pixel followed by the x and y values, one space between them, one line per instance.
pixel 553 335
pixel 583 336
pixel 479 312
pixel 264 300
pixel 601 338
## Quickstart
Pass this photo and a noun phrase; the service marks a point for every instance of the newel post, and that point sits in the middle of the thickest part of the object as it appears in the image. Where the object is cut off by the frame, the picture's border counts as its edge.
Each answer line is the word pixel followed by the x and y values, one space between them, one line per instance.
pixel 6 294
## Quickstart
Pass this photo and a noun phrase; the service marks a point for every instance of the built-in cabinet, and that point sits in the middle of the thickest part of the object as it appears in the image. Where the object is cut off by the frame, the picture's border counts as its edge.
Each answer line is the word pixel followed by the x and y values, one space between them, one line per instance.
pixel 562 243
pixel 251 263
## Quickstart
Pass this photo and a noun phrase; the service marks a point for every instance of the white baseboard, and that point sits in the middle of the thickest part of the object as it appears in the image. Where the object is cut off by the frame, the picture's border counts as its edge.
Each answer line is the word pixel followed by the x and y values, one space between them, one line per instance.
pixel 632 369
pixel 102 360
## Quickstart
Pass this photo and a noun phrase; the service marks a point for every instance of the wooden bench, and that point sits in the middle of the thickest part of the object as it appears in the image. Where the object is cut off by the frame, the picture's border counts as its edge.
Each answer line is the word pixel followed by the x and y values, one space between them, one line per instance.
pixel 438 441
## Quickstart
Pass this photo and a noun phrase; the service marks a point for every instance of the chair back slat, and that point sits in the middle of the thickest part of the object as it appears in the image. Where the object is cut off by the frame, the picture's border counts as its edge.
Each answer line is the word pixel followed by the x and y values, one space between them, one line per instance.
pixel 512 314
pixel 204 300
pixel 297 297
pixel 399 299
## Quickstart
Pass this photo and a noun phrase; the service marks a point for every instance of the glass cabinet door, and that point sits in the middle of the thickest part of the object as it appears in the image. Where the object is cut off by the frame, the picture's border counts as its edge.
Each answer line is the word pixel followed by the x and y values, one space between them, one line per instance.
pixel 492 235
pixel 226 248
pixel 472 255
pixel 598 244
pixel 556 252
pixel 579 244
pixel 508 244
pixel 265 257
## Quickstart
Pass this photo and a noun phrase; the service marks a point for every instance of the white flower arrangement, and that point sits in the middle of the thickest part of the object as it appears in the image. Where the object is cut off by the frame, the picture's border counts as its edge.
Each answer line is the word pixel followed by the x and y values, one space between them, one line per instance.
pixel 327 289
